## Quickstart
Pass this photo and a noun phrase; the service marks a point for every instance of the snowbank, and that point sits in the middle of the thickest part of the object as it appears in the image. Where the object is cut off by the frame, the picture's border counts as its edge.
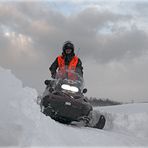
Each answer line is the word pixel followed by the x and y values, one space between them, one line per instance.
pixel 16 106
pixel 22 123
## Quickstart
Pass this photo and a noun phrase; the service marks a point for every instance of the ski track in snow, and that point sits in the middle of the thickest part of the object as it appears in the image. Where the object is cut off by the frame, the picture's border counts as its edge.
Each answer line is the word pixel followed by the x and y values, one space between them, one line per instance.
pixel 22 123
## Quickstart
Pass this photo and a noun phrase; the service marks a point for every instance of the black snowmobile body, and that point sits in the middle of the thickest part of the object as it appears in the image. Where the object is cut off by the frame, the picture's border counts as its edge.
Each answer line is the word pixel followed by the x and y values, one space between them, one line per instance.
pixel 64 101
pixel 66 107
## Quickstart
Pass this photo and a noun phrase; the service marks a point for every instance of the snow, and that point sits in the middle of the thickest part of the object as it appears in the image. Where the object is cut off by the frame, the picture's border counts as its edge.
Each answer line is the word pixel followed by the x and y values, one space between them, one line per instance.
pixel 22 123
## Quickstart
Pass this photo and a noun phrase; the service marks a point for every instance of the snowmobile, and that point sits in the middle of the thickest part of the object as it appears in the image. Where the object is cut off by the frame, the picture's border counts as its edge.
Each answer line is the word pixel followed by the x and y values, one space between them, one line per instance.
pixel 64 101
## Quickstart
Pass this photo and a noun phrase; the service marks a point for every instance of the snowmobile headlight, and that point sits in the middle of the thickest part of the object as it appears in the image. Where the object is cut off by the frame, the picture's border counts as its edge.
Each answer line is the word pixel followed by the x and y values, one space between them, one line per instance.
pixel 74 89
pixel 66 87
pixel 70 88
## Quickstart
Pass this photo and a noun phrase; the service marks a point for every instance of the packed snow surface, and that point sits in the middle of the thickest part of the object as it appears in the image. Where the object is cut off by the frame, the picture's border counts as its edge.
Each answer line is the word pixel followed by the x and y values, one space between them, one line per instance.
pixel 22 123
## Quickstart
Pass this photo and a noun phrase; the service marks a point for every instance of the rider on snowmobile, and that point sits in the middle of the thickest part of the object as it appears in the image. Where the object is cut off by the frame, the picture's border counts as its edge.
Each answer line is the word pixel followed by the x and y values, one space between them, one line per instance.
pixel 63 98
pixel 67 59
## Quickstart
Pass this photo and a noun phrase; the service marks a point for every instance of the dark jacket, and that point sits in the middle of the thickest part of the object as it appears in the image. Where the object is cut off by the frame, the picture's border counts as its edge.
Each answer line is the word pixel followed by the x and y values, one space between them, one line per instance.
pixel 54 66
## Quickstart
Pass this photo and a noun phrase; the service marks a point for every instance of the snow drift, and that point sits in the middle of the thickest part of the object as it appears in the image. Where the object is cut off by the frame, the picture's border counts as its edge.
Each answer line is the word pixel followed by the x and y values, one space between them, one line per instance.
pixel 22 123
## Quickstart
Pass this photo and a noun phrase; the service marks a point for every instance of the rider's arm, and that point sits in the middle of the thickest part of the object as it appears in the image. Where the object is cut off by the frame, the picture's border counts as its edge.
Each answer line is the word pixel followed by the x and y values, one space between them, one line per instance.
pixel 54 67
pixel 79 68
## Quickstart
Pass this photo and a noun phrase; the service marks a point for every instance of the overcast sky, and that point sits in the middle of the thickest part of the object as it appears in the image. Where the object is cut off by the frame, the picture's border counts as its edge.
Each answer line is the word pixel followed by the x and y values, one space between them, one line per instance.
pixel 112 37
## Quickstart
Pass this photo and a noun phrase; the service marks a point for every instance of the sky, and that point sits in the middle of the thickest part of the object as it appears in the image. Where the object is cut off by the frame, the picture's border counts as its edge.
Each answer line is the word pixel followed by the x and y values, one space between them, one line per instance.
pixel 110 37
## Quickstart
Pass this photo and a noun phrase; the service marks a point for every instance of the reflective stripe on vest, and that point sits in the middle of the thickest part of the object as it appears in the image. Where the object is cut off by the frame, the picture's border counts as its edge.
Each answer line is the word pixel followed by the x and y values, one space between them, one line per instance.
pixel 72 65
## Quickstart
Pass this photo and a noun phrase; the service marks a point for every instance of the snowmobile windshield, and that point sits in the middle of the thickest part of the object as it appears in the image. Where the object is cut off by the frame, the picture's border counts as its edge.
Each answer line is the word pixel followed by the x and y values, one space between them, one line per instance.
pixel 69 80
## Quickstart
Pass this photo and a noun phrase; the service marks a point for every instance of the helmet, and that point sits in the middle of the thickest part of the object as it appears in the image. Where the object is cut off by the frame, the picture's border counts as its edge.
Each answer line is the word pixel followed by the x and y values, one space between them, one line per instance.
pixel 68 45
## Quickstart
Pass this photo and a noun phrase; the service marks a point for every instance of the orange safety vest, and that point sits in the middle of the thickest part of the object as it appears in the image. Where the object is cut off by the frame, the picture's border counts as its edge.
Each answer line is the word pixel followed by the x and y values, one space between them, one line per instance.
pixel 71 67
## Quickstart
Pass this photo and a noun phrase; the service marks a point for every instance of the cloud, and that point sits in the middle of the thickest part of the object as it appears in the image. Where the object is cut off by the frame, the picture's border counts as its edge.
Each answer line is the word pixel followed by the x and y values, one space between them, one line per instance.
pixel 122 46
pixel 48 28
pixel 141 8
pixel 118 81
pixel 32 34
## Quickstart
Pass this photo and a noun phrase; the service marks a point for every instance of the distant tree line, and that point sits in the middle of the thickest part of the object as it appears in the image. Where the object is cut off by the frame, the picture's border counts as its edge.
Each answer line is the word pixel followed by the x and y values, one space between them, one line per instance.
pixel 102 102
